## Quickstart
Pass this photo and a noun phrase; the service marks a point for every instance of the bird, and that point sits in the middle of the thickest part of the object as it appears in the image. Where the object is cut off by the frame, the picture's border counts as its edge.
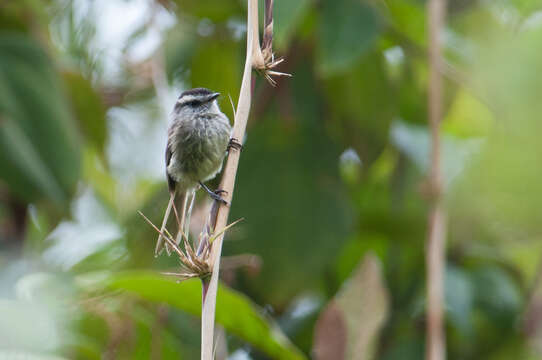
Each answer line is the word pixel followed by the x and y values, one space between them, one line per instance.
pixel 199 136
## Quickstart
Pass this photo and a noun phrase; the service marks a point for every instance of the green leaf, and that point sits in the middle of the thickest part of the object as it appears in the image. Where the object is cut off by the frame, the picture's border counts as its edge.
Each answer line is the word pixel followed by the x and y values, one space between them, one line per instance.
pixel 286 17
pixel 348 29
pixel 38 142
pixel 407 17
pixel 208 69
pixel 88 108
pixel 235 312
pixel 23 168
pixel 179 47
pixel 468 116
pixel 496 292
pixel 459 299
pixel 414 142
pixel 24 16
pixel 360 106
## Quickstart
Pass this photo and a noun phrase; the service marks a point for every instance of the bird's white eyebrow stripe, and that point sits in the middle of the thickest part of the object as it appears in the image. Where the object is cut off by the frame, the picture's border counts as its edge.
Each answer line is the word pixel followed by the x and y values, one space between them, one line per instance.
pixel 187 98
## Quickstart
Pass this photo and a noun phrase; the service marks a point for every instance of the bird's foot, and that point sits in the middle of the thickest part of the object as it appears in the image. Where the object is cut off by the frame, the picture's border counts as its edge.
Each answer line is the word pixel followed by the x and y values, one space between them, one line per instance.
pixel 234 144
pixel 215 195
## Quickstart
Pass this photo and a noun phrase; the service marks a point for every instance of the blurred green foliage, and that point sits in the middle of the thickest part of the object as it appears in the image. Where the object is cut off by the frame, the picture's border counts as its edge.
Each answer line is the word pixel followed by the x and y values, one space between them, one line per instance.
pixel 39 144
pixel 332 173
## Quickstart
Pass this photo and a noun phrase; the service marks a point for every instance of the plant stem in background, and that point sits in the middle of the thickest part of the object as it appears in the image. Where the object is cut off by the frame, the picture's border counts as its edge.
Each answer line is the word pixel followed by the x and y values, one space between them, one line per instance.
pixel 435 256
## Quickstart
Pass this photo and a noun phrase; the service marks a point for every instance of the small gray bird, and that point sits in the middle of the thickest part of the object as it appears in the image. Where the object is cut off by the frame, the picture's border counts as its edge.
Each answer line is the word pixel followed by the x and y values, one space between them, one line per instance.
pixel 198 139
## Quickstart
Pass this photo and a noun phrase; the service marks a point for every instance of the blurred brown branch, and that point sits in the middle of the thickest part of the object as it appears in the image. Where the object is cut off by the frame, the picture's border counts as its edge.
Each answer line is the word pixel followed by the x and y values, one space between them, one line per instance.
pixel 435 258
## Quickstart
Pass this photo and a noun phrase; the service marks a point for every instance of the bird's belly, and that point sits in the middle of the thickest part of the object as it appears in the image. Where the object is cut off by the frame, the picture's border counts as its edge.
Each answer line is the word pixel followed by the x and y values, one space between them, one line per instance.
pixel 198 152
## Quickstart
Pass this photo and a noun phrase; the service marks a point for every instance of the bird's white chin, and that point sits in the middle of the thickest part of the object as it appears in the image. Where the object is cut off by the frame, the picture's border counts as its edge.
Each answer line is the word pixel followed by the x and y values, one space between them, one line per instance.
pixel 214 107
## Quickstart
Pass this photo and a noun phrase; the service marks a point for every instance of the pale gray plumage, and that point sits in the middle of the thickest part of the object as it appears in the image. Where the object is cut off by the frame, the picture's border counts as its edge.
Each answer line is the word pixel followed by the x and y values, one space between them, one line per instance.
pixel 198 138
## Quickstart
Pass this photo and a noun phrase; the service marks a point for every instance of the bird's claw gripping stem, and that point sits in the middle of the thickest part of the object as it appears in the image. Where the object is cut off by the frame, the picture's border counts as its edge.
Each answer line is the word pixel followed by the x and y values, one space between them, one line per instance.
pixel 235 144
pixel 215 195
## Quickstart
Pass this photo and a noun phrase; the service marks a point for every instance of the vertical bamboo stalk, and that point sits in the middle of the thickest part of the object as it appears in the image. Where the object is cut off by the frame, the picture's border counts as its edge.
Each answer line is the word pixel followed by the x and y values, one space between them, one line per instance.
pixel 436 238
pixel 227 183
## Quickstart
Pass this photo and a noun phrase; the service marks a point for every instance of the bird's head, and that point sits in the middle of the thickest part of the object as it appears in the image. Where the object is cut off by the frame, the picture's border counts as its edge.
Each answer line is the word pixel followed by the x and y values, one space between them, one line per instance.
pixel 197 100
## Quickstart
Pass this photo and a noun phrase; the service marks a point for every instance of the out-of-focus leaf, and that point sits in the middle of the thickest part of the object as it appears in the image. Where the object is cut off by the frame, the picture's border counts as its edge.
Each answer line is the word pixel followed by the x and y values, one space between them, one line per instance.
pixel 233 311
pixel 467 116
pixel 524 255
pixel 179 47
pixel 408 347
pixel 407 17
pixel 99 177
pixel 414 141
pixel 348 29
pixel 459 299
pixel 23 16
pixel 496 292
pixel 94 335
pixel 209 66
pixel 286 17
pixel 88 107
pixel 149 338
pixel 11 17
pixel 349 326
pixel 38 142
pixel 360 107
pixel 532 321
pixel 23 168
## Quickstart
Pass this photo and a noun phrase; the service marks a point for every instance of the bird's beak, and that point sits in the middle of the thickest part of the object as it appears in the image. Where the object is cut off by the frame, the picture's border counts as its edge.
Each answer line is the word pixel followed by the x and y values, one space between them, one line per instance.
pixel 212 96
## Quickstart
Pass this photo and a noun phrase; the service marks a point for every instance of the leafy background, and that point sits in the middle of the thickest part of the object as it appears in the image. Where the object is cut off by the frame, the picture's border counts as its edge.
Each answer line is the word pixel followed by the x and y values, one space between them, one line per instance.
pixel 329 261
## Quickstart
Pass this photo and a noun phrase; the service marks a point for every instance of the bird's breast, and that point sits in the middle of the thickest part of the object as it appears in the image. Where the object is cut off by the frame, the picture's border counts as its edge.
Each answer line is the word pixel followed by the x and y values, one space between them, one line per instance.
pixel 198 147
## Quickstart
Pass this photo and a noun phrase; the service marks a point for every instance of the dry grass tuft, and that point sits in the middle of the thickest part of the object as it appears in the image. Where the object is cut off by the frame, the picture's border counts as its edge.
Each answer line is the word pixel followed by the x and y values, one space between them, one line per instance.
pixel 194 263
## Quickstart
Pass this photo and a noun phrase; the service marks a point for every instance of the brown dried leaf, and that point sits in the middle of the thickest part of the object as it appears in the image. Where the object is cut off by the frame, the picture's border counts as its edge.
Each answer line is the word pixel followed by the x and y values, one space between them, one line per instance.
pixel 349 326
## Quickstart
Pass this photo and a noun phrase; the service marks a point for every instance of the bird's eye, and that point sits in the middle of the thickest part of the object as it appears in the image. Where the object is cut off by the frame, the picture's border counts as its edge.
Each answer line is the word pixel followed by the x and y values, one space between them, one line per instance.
pixel 193 103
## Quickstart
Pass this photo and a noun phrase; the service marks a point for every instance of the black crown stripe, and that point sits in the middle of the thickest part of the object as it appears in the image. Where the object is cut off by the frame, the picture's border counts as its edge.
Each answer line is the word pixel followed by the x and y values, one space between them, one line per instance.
pixel 196 92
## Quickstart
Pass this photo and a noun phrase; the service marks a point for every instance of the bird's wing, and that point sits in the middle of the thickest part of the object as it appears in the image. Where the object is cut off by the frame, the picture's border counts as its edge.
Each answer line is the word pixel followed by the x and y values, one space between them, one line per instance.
pixel 170 181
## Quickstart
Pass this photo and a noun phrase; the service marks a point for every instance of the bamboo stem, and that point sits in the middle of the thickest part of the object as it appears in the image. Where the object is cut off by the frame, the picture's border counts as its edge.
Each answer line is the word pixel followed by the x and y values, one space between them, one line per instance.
pixel 436 238
pixel 227 183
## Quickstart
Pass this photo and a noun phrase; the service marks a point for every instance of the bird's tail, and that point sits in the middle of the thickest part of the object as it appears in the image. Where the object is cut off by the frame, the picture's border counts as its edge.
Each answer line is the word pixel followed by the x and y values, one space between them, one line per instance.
pixel 181 200
pixel 183 209
pixel 184 222
pixel 160 242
